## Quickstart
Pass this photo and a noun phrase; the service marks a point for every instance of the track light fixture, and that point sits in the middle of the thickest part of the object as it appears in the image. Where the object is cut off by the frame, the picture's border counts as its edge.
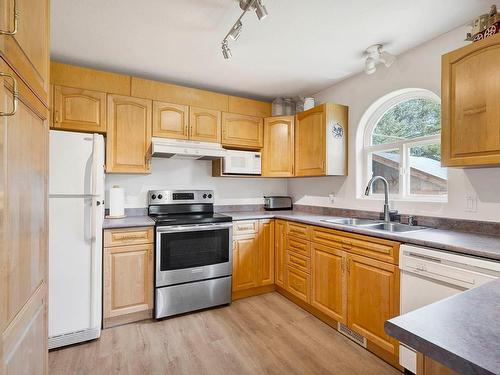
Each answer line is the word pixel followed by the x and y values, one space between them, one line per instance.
pixel 374 55
pixel 226 52
pixel 235 31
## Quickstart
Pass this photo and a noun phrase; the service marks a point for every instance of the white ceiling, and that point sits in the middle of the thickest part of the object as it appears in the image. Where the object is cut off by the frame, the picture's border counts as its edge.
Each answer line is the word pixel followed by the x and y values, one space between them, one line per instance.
pixel 301 48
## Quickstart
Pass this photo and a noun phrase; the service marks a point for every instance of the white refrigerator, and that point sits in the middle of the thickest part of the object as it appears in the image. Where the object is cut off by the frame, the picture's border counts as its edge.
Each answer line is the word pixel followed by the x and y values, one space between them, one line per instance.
pixel 76 213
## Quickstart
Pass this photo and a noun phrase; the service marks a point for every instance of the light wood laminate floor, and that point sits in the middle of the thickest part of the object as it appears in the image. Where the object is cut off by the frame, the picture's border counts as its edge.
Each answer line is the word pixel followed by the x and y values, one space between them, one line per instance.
pixel 266 334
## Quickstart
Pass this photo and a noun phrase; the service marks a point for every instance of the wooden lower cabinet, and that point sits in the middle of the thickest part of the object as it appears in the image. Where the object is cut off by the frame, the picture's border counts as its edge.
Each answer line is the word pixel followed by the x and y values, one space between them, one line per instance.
pixel 427 366
pixel 298 283
pixel 128 278
pixel 245 262
pixel 279 252
pixel 373 295
pixel 253 255
pixel 266 252
pixel 329 282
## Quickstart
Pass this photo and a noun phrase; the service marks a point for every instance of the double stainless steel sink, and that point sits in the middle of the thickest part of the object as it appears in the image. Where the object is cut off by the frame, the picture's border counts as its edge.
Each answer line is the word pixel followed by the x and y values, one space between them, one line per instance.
pixel 374 225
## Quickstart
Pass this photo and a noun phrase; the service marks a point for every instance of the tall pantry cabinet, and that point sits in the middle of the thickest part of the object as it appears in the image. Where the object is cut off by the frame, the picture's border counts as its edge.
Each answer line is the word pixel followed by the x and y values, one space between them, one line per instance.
pixel 24 74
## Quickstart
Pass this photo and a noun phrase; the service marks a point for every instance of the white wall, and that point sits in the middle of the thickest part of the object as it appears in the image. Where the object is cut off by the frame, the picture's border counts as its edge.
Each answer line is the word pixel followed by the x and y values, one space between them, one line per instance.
pixel 194 174
pixel 418 68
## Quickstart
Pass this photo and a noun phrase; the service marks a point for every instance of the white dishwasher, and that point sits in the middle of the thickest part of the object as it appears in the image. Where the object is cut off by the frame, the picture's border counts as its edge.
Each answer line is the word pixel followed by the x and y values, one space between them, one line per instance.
pixel 429 275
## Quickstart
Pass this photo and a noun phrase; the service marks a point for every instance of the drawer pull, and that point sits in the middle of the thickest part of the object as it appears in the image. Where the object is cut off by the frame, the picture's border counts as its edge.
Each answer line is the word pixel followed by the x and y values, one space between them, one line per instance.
pixel 15 95
pixel 130 237
pixel 17 13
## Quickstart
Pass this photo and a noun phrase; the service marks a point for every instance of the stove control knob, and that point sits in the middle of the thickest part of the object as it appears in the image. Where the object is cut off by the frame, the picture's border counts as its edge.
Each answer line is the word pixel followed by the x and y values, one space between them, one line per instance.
pixel 160 196
pixel 204 196
pixel 210 196
pixel 153 196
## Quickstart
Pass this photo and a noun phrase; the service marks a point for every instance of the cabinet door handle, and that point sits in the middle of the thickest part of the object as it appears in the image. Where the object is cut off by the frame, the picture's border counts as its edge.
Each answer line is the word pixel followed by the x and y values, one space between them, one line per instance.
pixel 16 21
pixel 15 95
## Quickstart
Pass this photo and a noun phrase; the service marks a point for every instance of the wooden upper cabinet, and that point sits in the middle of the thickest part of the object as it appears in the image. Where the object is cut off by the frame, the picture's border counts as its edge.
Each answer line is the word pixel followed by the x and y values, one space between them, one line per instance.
pixel 321 141
pixel 373 295
pixel 310 143
pixel 77 109
pixel 27 50
pixel 279 252
pixel 204 125
pixel 266 252
pixel 128 140
pixel 170 120
pixel 278 152
pixel 471 105
pixel 241 131
pixel 329 282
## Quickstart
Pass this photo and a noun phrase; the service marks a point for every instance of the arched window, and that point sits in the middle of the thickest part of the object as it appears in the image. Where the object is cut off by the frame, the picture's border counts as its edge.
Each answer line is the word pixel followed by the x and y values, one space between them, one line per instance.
pixel 402 142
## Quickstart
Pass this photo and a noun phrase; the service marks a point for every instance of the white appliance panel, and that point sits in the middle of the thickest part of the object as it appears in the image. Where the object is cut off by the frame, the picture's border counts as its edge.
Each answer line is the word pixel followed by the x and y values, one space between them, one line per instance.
pixel 70 265
pixel 70 163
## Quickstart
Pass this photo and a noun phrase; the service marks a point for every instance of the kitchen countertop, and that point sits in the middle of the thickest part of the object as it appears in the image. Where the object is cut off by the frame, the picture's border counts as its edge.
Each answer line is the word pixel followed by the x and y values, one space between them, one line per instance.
pixel 128 222
pixel 461 332
pixel 485 246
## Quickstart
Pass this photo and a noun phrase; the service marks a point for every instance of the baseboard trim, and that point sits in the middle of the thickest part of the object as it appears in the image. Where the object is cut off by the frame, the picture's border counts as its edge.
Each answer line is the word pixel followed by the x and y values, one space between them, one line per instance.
pixel 253 292
pixel 128 318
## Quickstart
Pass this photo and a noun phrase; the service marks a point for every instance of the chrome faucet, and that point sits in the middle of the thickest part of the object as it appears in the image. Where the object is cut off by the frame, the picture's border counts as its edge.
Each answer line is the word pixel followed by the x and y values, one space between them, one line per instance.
pixel 387 216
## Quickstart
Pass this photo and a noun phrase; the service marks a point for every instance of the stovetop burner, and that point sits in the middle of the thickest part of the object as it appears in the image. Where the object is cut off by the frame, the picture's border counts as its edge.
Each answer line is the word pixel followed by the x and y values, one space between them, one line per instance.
pixel 196 218
pixel 179 207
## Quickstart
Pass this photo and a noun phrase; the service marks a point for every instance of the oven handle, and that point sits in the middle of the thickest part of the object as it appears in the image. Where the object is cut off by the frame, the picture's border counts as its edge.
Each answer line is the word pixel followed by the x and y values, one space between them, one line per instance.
pixel 192 228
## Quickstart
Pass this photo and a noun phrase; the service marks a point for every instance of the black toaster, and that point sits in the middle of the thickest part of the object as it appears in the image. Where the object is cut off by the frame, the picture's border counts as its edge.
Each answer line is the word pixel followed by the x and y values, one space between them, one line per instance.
pixel 275 203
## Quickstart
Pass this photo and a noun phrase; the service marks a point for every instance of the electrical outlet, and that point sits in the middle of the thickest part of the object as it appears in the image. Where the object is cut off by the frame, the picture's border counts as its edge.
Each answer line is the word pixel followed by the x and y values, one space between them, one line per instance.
pixel 470 202
pixel 331 197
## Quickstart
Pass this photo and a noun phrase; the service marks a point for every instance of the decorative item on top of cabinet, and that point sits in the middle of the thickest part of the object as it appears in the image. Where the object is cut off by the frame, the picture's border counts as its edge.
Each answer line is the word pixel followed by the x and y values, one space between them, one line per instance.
pixel 321 141
pixel 278 152
pixel 170 120
pixel 78 109
pixel 24 42
pixel 470 115
pixel 128 275
pixel 128 141
pixel 373 295
pixel 242 131
pixel 204 125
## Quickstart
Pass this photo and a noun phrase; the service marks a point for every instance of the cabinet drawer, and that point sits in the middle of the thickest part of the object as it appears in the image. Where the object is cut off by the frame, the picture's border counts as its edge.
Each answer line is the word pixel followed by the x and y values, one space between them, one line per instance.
pixel 299 262
pixel 330 238
pixel 241 228
pixel 298 230
pixel 297 246
pixel 372 247
pixel 297 283
pixel 128 236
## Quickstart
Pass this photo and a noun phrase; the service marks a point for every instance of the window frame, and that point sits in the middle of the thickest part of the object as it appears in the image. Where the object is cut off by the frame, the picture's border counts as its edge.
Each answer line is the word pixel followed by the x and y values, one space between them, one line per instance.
pixel 402 146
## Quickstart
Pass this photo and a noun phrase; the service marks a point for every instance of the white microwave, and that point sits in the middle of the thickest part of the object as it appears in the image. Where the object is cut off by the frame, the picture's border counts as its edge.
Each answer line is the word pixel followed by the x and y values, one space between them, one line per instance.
pixel 241 162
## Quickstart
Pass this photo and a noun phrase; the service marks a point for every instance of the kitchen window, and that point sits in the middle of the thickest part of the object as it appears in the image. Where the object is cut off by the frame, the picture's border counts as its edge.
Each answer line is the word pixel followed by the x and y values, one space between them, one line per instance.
pixel 402 142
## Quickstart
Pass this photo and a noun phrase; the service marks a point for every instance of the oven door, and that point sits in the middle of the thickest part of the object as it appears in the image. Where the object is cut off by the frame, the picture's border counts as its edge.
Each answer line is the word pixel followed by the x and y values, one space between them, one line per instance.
pixel 187 253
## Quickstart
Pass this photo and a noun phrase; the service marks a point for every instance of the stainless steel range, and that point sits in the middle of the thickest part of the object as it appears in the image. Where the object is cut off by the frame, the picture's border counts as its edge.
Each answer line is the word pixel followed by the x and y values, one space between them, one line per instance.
pixel 193 251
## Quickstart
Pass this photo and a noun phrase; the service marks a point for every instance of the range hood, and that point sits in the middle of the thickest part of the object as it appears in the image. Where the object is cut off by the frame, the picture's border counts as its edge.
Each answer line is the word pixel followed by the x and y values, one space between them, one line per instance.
pixel 181 149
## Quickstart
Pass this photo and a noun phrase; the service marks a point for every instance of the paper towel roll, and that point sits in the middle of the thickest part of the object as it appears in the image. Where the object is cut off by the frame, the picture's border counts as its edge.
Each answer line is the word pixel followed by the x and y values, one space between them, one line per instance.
pixel 116 201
